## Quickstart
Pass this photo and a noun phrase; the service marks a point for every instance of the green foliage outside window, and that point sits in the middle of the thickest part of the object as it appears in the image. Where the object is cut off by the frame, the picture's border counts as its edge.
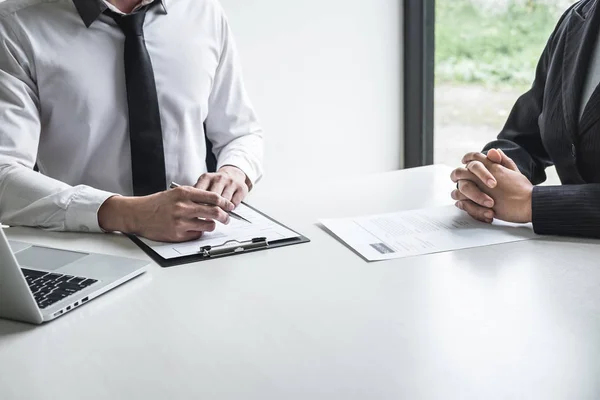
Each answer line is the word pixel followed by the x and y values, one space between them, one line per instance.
pixel 492 42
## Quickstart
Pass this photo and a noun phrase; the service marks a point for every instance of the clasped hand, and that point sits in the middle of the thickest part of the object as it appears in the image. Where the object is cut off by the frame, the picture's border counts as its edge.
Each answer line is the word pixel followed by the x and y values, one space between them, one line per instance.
pixel 492 187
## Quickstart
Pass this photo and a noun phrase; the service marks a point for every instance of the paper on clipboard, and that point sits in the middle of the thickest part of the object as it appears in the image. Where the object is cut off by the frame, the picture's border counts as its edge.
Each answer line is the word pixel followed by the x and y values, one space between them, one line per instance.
pixel 240 231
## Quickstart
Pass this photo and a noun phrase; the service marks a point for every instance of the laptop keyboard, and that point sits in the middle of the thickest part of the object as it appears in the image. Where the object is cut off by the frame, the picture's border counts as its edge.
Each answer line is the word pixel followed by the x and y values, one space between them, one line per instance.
pixel 49 288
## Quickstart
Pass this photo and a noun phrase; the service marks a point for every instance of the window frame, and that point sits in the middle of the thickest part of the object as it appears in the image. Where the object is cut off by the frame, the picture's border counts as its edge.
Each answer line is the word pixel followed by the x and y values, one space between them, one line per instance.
pixel 419 74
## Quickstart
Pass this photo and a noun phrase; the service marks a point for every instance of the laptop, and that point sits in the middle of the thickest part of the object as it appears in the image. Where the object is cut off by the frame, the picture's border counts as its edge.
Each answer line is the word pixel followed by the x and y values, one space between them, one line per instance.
pixel 39 284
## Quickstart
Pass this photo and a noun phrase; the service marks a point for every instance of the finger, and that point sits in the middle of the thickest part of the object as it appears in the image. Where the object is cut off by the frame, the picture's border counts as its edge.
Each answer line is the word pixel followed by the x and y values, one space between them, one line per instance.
pixel 185 211
pixel 473 193
pixel 475 156
pixel 198 225
pixel 218 185
pixel 494 156
pixel 203 182
pixel 206 197
pixel 462 173
pixel 508 162
pixel 458 196
pixel 482 158
pixel 499 157
pixel 482 173
pixel 229 191
pixel 479 213
pixel 239 196
pixel 208 212
pixel 191 229
pixel 184 236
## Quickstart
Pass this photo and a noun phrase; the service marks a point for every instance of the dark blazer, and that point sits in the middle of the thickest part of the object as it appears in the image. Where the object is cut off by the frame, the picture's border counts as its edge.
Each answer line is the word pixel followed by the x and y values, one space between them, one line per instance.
pixel 544 129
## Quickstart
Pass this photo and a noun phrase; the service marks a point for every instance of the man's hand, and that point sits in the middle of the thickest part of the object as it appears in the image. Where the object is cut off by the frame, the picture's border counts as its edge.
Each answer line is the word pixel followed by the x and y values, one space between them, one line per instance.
pixel 506 194
pixel 176 215
pixel 229 182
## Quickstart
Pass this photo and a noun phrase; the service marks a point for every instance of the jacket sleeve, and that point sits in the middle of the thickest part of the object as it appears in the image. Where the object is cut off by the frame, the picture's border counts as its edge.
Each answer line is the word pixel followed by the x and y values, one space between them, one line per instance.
pixel 520 138
pixel 567 210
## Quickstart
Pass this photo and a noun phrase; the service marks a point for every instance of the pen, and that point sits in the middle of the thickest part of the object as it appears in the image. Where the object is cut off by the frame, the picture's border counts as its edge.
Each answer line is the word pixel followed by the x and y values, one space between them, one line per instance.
pixel 231 213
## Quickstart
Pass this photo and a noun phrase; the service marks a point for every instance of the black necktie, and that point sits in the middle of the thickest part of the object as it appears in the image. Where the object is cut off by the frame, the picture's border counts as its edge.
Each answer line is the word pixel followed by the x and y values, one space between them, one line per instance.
pixel 145 132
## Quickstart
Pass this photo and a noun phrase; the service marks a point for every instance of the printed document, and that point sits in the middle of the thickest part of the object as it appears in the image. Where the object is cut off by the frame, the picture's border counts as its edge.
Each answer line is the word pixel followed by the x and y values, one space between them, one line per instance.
pixel 419 232
pixel 236 230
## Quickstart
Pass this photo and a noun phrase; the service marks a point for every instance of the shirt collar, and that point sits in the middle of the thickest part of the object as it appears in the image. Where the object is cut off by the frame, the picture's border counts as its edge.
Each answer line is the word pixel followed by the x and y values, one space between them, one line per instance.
pixel 90 10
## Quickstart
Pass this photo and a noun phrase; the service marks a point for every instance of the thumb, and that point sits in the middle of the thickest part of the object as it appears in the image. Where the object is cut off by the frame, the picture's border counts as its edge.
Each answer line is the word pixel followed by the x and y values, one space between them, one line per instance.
pixel 494 156
pixel 508 162
pixel 498 156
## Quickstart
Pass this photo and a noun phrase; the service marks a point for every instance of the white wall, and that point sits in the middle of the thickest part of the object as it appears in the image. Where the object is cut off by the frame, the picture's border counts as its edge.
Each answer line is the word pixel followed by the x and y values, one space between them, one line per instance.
pixel 325 77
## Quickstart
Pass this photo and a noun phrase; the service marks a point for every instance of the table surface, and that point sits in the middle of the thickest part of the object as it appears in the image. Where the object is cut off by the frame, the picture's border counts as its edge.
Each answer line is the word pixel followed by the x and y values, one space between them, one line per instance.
pixel 315 321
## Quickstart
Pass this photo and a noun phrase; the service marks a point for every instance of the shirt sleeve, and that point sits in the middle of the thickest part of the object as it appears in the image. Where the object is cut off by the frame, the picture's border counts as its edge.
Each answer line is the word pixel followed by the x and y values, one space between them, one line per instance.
pixel 29 198
pixel 232 125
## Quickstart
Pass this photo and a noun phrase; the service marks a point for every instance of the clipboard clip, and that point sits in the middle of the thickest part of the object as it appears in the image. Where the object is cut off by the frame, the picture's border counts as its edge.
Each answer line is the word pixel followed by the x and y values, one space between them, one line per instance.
pixel 234 247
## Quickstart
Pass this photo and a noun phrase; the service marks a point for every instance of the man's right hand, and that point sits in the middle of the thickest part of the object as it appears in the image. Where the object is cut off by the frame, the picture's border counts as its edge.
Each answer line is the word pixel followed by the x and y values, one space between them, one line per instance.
pixel 175 215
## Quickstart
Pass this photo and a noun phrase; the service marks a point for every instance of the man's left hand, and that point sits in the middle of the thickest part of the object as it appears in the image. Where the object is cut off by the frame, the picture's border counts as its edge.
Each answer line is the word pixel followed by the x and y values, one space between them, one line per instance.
pixel 512 195
pixel 229 182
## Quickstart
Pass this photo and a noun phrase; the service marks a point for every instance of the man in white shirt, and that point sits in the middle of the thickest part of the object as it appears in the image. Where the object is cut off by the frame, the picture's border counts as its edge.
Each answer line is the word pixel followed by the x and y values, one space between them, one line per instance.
pixel 71 103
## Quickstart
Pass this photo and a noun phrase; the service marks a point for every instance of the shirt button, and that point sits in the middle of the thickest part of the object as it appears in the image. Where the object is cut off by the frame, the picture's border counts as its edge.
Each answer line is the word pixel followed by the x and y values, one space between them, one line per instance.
pixel 84 228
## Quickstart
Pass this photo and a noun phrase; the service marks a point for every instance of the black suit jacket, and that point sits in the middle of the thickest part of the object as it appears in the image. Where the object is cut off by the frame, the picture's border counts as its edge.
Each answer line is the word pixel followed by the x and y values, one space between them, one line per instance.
pixel 544 129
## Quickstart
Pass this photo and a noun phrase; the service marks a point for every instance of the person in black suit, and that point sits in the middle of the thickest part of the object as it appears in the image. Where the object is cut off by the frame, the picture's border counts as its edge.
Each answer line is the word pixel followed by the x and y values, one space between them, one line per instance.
pixel 557 122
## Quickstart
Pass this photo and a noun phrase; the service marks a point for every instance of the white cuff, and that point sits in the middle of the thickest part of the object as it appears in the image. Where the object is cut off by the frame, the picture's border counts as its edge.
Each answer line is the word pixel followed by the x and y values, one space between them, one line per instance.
pixel 253 172
pixel 82 210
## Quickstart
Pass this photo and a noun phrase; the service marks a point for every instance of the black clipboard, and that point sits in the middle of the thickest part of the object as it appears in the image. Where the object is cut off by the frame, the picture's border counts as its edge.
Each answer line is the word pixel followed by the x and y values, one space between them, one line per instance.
pixel 229 248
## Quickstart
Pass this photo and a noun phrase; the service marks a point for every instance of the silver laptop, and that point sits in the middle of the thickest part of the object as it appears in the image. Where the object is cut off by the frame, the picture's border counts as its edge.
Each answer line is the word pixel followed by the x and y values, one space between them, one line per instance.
pixel 39 284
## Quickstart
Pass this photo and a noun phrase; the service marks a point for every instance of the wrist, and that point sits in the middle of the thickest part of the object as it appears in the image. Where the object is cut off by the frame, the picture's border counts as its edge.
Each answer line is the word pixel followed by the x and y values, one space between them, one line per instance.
pixel 116 214
pixel 529 206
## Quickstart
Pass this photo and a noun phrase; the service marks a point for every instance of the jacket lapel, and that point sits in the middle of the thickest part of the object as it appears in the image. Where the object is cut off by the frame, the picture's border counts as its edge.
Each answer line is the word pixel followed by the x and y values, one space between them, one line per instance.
pixel 581 35
pixel 591 113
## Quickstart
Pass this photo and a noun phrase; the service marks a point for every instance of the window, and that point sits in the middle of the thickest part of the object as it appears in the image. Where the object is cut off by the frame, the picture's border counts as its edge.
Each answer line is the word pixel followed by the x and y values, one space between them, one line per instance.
pixel 485 57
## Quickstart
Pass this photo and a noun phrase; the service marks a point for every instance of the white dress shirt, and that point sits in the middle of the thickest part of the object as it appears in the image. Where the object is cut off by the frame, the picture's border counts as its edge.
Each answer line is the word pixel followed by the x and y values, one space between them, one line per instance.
pixel 63 104
pixel 114 8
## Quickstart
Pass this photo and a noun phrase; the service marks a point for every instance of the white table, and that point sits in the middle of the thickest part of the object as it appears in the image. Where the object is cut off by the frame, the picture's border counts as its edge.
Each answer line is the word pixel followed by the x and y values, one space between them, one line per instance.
pixel 315 321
